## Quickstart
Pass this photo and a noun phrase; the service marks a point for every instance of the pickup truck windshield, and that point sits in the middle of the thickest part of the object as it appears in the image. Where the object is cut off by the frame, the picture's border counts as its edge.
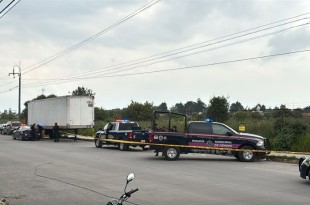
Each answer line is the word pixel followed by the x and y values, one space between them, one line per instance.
pixel 127 126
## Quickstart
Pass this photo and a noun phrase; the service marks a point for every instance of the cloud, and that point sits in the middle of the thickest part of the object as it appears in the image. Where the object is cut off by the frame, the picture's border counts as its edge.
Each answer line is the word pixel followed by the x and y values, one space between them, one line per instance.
pixel 297 39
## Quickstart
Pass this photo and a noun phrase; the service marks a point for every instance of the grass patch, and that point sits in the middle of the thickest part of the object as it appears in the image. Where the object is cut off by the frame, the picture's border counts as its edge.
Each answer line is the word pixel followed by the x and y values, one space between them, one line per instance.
pixel 286 159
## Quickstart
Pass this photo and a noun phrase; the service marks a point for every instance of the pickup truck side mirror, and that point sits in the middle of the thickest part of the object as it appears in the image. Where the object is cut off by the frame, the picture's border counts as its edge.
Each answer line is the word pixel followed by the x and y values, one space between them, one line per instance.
pixel 229 133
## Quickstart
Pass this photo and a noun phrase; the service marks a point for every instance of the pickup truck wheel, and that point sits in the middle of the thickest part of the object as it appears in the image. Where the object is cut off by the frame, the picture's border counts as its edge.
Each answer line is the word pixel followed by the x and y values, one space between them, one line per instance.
pixel 248 155
pixel 122 146
pixel 98 142
pixel 172 153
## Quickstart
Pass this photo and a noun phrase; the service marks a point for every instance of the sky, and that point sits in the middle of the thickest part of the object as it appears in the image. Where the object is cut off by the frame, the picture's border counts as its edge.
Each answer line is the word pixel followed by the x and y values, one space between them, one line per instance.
pixel 251 51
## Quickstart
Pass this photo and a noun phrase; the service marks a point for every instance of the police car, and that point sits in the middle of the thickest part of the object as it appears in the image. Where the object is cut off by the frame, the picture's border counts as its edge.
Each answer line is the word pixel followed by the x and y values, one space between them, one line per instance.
pixel 205 137
pixel 123 130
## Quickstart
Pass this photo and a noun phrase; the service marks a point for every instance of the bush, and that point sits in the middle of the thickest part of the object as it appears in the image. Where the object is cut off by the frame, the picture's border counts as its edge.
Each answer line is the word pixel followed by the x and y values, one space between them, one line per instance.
pixel 86 132
pixel 302 144
pixel 284 140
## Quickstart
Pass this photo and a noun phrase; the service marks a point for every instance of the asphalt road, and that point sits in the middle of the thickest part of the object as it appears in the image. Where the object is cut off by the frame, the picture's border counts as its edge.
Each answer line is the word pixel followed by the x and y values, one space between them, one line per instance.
pixel 69 172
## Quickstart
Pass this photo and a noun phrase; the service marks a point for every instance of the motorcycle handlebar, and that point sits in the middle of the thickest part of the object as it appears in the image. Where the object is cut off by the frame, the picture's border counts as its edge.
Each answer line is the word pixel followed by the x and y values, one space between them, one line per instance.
pixel 131 192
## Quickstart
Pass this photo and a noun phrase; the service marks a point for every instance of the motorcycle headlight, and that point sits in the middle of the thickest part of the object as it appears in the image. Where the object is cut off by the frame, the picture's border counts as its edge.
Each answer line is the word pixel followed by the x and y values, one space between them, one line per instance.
pixel 260 143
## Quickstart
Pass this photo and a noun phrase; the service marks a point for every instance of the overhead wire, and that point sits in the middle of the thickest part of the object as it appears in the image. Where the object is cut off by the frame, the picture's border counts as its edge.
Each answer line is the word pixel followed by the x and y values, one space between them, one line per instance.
pixel 87 74
pixel 9 8
pixel 190 54
pixel 168 54
pixel 76 46
pixel 215 48
pixel 225 36
pixel 194 66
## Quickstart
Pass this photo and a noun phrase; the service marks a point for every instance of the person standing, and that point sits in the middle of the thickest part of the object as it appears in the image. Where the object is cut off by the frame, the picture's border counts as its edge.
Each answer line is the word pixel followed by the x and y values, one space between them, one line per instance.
pixel 56 132
pixel 33 132
pixel 40 132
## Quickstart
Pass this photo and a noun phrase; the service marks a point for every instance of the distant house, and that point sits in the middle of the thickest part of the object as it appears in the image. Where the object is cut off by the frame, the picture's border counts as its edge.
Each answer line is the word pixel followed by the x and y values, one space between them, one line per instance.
pixel 306 114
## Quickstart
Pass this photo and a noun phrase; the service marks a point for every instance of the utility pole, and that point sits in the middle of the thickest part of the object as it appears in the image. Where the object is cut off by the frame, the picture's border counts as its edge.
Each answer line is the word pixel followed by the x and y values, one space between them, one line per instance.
pixel 19 86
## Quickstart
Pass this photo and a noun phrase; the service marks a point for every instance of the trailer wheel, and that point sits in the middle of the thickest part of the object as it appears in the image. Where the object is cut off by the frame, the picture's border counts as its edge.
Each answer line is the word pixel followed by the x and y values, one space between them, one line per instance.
pixel 123 146
pixel 98 142
pixel 248 155
pixel 171 153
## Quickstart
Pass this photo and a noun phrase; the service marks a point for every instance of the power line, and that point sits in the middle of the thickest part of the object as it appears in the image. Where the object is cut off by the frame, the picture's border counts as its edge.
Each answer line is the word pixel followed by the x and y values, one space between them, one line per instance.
pixel 179 49
pixel 184 68
pixel 168 54
pixel 76 46
pixel 9 8
pixel 190 54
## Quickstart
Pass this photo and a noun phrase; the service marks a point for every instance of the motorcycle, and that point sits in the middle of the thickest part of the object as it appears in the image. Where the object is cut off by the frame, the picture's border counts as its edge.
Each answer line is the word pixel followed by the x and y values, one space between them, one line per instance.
pixel 126 195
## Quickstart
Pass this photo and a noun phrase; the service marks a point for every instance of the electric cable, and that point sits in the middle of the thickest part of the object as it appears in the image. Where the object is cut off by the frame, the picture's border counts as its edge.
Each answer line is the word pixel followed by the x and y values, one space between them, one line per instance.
pixel 71 184
pixel 190 54
pixel 9 8
pixel 76 46
pixel 168 54
pixel 183 68
pixel 116 68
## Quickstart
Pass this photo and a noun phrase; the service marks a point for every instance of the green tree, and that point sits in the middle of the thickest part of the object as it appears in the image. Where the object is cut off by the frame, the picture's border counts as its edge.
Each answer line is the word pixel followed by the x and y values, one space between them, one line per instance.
pixel 200 106
pixel 178 107
pixel 81 91
pixel 189 107
pixel 162 107
pixel 235 107
pixel 100 114
pixel 218 109
pixel 138 111
pixel 8 115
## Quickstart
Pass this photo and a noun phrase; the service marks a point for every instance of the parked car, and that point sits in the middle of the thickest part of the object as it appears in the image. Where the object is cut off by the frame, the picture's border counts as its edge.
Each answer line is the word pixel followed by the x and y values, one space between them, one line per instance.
pixel 11 126
pixel 304 167
pixel 22 133
pixel 2 126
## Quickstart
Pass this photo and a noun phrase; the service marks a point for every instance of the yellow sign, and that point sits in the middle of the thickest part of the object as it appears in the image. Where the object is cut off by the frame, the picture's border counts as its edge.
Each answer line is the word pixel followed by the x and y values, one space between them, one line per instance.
pixel 242 127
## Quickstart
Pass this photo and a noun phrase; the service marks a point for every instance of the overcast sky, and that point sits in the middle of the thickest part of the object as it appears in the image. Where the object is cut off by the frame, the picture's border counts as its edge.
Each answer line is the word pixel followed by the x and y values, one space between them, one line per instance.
pixel 130 61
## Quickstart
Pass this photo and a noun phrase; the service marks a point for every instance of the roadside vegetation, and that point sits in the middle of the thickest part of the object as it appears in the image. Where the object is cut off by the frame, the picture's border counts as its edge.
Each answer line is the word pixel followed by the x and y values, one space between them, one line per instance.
pixel 287 129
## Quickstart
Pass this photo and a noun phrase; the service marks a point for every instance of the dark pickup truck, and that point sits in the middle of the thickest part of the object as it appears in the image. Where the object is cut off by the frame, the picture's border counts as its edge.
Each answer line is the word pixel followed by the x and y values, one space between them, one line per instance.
pixel 122 130
pixel 203 137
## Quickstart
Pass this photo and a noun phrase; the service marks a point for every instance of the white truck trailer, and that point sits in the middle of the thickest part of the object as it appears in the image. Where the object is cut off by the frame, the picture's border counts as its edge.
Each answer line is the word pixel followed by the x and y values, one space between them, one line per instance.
pixel 69 112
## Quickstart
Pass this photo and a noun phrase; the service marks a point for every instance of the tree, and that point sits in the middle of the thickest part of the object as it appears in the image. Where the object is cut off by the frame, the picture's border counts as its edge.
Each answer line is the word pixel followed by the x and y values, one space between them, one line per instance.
pixel 189 107
pixel 235 107
pixel 81 91
pixel 8 115
pixel 138 111
pixel 100 114
pixel 218 109
pixel 200 106
pixel 179 107
pixel 162 107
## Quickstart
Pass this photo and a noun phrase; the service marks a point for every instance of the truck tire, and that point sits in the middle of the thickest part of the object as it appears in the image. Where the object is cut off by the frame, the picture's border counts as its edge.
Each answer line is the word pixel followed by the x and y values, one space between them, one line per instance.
pixel 123 146
pixel 247 156
pixel 98 142
pixel 171 153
